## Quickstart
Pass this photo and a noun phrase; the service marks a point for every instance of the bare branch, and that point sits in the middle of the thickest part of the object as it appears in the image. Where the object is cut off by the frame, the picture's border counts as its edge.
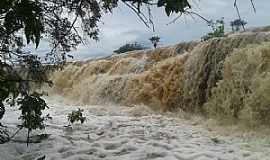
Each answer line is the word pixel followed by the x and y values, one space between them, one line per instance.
pixel 141 16
pixel 191 13
pixel 198 15
pixel 253 5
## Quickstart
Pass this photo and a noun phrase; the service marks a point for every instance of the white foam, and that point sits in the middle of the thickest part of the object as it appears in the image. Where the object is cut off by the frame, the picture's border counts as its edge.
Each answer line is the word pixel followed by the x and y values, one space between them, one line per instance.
pixel 121 133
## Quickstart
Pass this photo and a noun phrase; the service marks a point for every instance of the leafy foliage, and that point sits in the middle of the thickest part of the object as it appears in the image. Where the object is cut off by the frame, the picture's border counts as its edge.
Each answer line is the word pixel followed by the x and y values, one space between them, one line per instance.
pixel 32 107
pixel 155 40
pixel 174 6
pixel 4 136
pixel 218 29
pixel 130 47
pixel 171 6
pixel 76 116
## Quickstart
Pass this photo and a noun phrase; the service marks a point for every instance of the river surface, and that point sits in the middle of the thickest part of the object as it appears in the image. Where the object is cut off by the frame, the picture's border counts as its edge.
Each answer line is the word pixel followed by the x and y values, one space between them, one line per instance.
pixel 114 132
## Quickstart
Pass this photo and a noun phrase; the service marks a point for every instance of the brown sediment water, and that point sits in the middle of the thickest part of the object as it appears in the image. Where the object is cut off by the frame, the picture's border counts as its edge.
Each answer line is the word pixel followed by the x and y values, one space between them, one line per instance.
pixel 189 76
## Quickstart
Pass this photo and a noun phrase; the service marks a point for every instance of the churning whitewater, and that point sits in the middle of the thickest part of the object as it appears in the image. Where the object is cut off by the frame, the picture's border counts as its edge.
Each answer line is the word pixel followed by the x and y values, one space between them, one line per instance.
pixel 223 78
pixel 123 133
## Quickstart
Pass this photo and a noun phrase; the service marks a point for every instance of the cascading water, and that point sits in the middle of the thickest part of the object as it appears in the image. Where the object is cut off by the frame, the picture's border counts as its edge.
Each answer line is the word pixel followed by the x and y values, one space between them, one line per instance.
pixel 182 76
pixel 149 77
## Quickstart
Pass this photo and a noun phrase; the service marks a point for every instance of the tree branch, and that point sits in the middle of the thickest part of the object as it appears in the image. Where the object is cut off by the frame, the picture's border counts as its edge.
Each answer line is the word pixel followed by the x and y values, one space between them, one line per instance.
pixel 253 5
pixel 238 13
pixel 141 16
pixel 189 13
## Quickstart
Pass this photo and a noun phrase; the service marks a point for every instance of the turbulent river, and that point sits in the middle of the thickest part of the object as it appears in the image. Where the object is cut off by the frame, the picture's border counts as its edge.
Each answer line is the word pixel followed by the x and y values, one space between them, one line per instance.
pixel 129 133
pixel 223 79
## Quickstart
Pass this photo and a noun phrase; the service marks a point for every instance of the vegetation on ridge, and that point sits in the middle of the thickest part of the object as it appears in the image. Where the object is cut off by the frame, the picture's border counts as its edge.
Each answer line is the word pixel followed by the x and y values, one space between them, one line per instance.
pixel 130 47
pixel 218 29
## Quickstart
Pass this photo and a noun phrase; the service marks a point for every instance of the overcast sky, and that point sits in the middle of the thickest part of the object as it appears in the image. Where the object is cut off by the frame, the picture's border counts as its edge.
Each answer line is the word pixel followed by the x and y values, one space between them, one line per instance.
pixel 123 26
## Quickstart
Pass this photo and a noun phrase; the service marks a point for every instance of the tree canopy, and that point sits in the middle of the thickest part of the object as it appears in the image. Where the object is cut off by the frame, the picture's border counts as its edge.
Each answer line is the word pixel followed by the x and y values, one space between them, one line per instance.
pixel 237 24
pixel 155 40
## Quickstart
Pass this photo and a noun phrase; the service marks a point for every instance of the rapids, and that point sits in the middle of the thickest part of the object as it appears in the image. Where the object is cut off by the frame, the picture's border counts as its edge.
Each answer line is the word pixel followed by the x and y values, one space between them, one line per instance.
pixel 187 76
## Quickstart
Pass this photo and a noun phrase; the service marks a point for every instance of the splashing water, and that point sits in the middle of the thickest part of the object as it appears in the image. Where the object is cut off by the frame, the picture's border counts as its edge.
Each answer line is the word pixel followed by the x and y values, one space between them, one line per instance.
pixel 149 77
pixel 181 76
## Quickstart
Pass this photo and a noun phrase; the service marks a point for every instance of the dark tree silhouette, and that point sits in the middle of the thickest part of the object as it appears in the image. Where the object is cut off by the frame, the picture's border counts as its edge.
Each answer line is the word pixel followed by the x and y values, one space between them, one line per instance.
pixel 155 40
pixel 130 47
pixel 238 24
